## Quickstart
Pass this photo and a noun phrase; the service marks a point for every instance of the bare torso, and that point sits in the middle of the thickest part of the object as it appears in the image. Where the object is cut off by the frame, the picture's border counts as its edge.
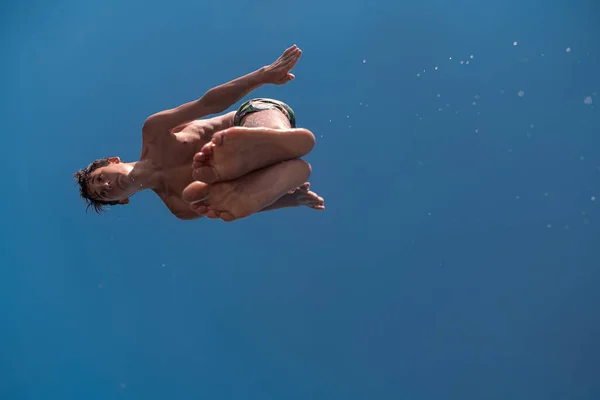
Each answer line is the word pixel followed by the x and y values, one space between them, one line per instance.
pixel 172 152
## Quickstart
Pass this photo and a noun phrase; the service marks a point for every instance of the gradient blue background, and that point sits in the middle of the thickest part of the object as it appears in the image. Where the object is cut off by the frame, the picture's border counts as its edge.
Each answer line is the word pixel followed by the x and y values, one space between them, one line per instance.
pixel 449 264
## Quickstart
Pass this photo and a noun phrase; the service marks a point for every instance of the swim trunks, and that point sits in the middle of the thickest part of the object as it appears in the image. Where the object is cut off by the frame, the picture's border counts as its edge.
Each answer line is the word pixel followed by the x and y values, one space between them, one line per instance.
pixel 255 105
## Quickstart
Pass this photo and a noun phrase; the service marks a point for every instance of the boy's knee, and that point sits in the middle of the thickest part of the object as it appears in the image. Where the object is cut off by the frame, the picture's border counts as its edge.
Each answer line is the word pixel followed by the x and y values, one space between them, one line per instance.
pixel 307 169
pixel 308 140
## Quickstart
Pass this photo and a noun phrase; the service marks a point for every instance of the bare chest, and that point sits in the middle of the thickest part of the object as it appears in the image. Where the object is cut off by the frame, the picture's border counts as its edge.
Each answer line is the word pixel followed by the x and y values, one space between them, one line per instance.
pixel 173 156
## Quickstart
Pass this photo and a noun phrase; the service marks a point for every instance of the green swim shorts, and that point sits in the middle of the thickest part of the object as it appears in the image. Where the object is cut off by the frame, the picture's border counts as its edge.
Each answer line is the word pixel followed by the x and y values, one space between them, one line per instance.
pixel 255 105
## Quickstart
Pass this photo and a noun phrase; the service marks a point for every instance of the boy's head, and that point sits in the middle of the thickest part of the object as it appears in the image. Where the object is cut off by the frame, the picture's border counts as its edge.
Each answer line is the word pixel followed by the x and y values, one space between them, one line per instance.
pixel 100 183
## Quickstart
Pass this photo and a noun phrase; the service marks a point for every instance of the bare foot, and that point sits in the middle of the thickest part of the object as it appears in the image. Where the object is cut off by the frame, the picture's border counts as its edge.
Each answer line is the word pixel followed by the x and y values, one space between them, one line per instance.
pixel 302 196
pixel 237 151
pixel 250 194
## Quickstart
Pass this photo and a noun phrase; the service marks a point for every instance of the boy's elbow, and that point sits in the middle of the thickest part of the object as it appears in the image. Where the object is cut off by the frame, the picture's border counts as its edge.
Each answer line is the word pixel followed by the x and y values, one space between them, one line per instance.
pixel 161 122
pixel 151 124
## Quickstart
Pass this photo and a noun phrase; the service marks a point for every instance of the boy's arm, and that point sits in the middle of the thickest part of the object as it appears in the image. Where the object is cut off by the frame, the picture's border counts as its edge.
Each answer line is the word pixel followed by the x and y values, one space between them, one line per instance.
pixel 220 98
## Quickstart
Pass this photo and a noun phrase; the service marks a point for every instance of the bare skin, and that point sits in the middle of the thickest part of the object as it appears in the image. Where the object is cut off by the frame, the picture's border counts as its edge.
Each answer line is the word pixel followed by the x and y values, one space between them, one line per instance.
pixel 251 193
pixel 236 152
pixel 301 196
pixel 172 138
pixel 233 153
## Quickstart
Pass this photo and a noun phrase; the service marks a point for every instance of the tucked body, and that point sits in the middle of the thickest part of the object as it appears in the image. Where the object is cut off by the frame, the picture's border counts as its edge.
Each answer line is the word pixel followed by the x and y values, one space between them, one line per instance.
pixel 173 138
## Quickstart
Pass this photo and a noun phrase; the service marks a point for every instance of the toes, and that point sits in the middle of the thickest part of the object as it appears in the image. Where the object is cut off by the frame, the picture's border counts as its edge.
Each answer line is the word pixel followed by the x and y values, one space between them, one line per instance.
pixel 302 188
pixel 197 165
pixel 202 171
pixel 200 158
pixel 318 203
pixel 225 216
pixel 205 174
pixel 217 140
pixel 199 208
pixel 207 149
pixel 212 214
pixel 195 192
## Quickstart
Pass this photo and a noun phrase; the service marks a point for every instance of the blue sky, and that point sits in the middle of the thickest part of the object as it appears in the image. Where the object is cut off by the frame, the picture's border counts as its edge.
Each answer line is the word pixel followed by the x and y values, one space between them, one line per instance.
pixel 458 255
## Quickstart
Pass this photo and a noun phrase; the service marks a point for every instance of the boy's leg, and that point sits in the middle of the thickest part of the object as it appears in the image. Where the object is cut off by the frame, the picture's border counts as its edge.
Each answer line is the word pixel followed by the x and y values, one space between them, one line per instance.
pixel 265 135
pixel 249 194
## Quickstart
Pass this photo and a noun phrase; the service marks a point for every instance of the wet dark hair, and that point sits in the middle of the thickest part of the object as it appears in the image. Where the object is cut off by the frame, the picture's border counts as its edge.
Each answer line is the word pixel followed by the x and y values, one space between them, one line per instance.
pixel 83 178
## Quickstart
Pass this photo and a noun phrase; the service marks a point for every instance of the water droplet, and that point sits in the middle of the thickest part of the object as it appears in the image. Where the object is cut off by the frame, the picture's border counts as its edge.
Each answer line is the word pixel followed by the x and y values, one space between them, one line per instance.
pixel 588 100
pixel 515 43
pixel 471 56
pixel 568 50
pixel 521 93
pixel 364 61
pixel 593 198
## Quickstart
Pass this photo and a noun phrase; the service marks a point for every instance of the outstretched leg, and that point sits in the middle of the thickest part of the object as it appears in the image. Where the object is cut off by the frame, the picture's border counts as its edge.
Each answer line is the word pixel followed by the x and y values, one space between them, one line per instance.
pixel 247 195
